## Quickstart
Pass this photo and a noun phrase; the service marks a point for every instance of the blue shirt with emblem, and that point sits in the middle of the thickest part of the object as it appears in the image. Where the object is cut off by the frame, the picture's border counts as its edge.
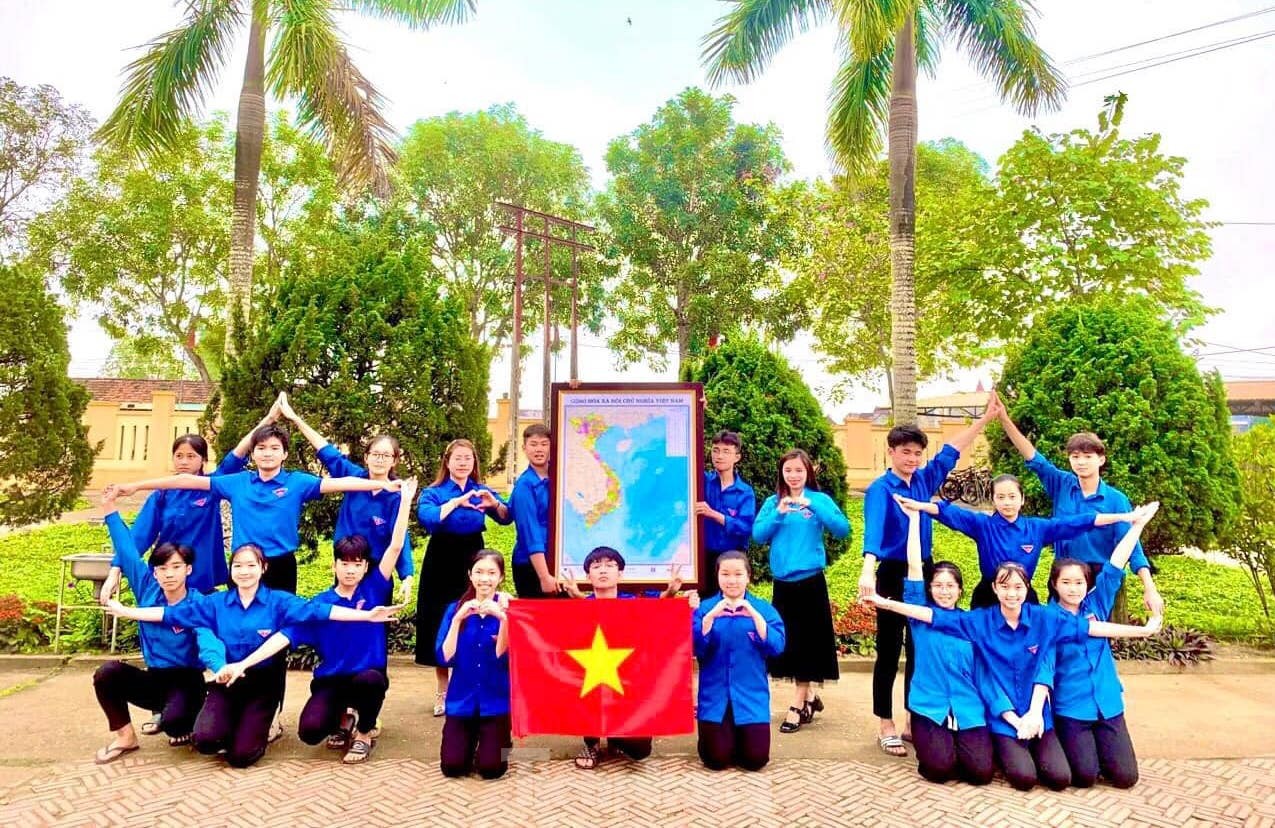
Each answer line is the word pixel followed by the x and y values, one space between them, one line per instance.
pixel 370 514
pixel 529 508
pixel 164 646
pixel 1087 686
pixel 885 526
pixel 267 512
pixel 732 661
pixel 480 679
pixel 192 518
pixel 347 648
pixel 462 520
pixel 738 503
pixel 243 629
pixel 796 536
pixel 1020 541
pixel 1094 547
pixel 1017 658
pixel 945 684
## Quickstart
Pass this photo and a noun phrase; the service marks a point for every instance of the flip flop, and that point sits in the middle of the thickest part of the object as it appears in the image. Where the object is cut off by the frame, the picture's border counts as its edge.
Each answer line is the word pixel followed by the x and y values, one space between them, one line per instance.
pixel 152 726
pixel 341 739
pixel 111 752
pixel 180 741
pixel 358 753
pixel 892 745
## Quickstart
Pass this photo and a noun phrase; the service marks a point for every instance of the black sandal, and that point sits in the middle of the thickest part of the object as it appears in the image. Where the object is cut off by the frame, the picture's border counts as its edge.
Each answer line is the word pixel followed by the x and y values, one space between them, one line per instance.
pixel 588 758
pixel 807 713
pixel 180 741
pixel 792 727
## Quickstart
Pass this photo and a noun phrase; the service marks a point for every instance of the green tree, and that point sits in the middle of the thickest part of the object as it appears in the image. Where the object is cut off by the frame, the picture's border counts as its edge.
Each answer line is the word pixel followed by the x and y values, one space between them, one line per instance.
pixel 451 171
pixel 756 393
pixel 1115 367
pixel 307 61
pixel 1252 539
pixel 362 346
pixel 882 44
pixel 841 292
pixel 147 357
pixel 45 456
pixel 689 209
pixel 1087 213
pixel 42 146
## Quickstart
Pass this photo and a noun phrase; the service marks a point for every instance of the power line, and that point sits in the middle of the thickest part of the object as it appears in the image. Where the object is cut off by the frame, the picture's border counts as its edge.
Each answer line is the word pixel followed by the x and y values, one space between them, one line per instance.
pixel 1253 39
pixel 1244 38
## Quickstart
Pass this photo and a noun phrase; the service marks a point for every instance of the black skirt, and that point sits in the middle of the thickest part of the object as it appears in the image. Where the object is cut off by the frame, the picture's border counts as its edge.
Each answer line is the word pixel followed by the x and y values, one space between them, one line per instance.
pixel 443 578
pixel 811 650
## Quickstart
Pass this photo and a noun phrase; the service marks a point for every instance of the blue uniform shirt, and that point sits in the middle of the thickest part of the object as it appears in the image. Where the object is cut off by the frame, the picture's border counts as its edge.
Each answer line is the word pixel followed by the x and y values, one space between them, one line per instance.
pixel 796 537
pixel 1020 542
pixel 732 662
pixel 346 648
pixel 462 520
pixel 192 518
pixel 267 512
pixel 739 504
pixel 885 526
pixel 1017 659
pixel 529 507
pixel 480 680
pixel 243 629
pixel 1087 686
pixel 1093 547
pixel 945 683
pixel 370 514
pixel 163 645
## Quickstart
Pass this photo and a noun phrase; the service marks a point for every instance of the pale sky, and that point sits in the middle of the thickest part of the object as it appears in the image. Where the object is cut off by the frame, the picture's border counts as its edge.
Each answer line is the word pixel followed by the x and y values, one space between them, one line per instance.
pixel 583 74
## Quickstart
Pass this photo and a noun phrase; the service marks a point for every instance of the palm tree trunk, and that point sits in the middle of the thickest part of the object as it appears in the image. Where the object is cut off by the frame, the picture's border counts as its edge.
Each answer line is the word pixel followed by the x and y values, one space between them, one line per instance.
pixel 902 151
pixel 249 130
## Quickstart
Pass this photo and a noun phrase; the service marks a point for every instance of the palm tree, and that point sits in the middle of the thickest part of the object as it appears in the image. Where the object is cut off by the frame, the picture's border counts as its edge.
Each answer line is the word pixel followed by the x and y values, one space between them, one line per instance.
pixel 882 43
pixel 307 60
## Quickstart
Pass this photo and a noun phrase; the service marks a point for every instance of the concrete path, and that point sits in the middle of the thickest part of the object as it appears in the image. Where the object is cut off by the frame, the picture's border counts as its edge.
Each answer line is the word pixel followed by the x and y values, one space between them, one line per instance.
pixel 1206 741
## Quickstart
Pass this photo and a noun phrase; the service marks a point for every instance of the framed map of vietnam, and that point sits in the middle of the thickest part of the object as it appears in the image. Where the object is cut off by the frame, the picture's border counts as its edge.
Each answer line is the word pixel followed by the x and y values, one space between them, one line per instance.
pixel 626 472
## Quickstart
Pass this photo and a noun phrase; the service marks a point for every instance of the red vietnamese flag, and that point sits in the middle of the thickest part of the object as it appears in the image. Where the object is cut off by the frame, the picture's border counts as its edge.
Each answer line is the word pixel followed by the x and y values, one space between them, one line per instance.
pixel 608 667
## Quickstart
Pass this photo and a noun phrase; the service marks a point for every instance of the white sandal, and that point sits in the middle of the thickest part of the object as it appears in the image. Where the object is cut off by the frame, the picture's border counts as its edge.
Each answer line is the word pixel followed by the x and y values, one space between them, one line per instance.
pixel 440 704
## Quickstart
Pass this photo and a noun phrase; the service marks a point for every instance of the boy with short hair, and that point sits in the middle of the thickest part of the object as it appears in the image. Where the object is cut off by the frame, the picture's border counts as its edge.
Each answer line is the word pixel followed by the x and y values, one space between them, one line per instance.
pixel 885 536
pixel 728 509
pixel 1084 491
pixel 529 506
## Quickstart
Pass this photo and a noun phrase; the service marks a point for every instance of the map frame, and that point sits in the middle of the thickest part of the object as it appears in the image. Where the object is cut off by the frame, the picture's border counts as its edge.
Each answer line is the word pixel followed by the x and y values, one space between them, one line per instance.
pixel 559 484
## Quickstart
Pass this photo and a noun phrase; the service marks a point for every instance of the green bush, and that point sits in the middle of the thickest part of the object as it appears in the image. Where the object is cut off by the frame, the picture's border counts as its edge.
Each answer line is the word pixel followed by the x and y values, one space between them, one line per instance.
pixel 1116 368
pixel 752 391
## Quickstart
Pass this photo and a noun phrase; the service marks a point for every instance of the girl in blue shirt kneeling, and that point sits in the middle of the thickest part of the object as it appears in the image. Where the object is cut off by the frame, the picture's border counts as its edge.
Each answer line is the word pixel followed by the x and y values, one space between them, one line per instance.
pixel 734 633
pixel 473 640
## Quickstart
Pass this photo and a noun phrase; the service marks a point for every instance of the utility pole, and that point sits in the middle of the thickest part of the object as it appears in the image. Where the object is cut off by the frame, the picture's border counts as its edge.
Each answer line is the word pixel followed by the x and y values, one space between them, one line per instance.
pixel 548 238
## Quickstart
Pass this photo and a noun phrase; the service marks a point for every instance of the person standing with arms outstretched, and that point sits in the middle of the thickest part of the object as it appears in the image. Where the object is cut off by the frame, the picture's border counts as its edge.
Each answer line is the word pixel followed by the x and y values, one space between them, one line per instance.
pixel 1081 491
pixel 885 558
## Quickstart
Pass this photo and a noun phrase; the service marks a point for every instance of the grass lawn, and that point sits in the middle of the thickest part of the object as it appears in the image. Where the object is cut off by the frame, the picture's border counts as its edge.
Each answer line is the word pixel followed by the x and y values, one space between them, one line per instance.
pixel 1216 599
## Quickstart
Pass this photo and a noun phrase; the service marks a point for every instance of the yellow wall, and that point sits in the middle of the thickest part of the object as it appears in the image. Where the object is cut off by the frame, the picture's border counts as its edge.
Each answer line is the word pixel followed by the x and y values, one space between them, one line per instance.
pixel 862 442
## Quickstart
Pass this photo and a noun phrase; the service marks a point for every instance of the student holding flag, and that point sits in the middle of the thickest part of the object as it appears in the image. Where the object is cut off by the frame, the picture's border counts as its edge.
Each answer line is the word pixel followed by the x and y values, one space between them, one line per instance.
pixel 793 521
pixel 734 633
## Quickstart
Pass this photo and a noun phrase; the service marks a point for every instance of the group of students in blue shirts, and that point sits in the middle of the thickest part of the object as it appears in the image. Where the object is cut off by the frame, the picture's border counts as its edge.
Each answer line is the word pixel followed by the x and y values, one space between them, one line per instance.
pixel 963 707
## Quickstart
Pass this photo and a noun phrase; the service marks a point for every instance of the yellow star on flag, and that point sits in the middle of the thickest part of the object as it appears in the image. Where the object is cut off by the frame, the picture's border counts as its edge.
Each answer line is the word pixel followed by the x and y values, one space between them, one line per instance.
pixel 601 664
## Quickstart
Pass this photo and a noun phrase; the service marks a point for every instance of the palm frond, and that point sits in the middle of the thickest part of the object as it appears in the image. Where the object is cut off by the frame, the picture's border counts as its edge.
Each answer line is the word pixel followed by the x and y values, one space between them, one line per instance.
pixel 335 101
pixel 748 37
pixel 420 14
pixel 929 37
pixel 870 25
pixel 859 107
pixel 168 83
pixel 1000 39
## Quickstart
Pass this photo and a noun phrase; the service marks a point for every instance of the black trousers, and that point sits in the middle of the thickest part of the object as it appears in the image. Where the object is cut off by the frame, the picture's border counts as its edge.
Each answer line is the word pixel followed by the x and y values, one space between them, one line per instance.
pixel 330 696
pixel 892 638
pixel 985 596
pixel 475 743
pixel 281 573
pixel 722 744
pixel 943 754
pixel 174 693
pixel 1099 747
pixel 632 747
pixel 237 718
pixel 527 582
pixel 1027 762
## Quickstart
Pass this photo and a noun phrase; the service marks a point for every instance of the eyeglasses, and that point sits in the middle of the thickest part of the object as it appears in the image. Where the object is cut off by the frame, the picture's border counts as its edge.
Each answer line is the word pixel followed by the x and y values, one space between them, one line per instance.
pixel 380 455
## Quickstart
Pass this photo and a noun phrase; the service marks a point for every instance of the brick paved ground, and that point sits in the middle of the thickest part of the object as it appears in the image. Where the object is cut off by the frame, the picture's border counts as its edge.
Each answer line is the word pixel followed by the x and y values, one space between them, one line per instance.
pixel 661 791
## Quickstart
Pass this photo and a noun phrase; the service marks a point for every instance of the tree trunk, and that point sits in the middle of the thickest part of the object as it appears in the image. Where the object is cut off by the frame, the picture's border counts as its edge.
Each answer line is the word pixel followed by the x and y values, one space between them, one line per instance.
pixel 200 366
pixel 902 150
pixel 249 130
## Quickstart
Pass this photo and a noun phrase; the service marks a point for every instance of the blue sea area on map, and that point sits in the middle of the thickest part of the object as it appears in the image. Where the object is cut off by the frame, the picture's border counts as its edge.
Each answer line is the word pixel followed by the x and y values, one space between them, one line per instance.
pixel 653 517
